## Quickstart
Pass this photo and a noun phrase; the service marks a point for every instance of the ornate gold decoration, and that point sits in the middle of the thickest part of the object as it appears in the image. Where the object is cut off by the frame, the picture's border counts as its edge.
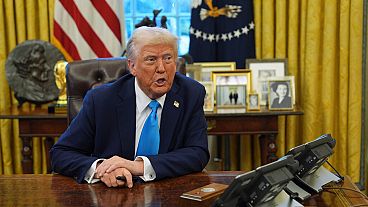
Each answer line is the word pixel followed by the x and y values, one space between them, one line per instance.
pixel 60 80
pixel 231 11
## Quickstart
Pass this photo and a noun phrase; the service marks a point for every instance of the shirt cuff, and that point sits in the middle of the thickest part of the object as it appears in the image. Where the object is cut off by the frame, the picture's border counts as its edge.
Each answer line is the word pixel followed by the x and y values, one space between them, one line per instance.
pixel 91 173
pixel 149 173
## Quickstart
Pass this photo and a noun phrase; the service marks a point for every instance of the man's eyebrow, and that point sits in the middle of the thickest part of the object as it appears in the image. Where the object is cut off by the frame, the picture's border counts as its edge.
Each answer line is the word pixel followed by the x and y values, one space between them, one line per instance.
pixel 149 56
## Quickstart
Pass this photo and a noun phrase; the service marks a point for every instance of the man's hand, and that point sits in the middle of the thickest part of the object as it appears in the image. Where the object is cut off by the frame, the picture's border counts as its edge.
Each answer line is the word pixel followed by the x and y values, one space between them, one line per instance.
pixel 115 162
pixel 110 178
pixel 106 164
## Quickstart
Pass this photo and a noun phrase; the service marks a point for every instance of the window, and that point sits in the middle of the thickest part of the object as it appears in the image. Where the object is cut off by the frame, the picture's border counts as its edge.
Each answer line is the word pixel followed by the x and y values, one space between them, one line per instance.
pixel 177 13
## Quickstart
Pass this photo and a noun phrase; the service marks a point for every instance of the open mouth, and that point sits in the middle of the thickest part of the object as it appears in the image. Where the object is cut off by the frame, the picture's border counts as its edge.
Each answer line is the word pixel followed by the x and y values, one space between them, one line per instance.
pixel 161 81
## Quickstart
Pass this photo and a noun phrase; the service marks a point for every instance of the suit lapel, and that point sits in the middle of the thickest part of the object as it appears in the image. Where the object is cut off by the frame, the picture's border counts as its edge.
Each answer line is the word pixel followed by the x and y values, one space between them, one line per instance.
pixel 126 109
pixel 170 114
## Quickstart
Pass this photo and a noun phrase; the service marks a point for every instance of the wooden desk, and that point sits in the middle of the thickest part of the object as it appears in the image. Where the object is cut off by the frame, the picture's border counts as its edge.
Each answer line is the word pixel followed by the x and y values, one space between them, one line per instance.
pixel 57 190
pixel 263 123
pixel 36 123
pixel 39 123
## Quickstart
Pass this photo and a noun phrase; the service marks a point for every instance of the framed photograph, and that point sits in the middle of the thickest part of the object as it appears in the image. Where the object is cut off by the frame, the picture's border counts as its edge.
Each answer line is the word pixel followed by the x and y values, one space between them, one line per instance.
pixel 280 95
pixel 194 71
pixel 231 89
pixel 290 79
pixel 262 69
pixel 208 67
pixel 209 100
pixel 253 102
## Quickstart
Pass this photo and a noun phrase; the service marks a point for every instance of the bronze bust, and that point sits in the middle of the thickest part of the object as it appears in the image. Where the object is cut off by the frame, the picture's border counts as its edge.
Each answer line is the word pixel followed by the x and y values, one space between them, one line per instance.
pixel 29 71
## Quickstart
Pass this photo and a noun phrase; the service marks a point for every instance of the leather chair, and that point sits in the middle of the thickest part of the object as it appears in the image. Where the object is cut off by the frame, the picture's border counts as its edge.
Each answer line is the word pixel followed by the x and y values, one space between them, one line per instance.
pixel 86 74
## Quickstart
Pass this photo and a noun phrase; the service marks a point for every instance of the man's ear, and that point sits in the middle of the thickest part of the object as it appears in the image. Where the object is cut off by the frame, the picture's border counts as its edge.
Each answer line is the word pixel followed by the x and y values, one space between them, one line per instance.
pixel 131 66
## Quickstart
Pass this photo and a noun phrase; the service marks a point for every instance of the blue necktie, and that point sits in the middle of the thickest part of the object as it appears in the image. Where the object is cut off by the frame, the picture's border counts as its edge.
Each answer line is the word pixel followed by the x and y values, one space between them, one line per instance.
pixel 149 141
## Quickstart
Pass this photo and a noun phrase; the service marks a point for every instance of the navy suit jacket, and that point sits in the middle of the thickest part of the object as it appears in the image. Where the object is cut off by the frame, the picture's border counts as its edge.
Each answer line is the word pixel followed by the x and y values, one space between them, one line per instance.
pixel 106 126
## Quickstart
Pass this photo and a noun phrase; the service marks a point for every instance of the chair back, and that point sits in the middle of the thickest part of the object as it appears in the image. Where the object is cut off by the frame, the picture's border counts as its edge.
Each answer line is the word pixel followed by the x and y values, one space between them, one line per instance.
pixel 87 74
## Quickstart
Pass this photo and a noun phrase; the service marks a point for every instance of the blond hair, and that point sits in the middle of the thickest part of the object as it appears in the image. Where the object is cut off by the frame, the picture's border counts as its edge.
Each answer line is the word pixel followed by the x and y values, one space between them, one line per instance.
pixel 150 36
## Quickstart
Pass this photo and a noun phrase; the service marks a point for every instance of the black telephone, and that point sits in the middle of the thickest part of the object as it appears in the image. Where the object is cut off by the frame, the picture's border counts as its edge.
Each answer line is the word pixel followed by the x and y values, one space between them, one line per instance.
pixel 260 185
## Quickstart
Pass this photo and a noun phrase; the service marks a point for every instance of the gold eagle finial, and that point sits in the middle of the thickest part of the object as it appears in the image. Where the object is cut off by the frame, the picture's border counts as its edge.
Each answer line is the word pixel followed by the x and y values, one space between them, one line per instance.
pixel 230 11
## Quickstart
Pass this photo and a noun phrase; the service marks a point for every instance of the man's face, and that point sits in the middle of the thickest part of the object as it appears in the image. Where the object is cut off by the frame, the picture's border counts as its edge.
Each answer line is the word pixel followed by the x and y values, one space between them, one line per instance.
pixel 154 67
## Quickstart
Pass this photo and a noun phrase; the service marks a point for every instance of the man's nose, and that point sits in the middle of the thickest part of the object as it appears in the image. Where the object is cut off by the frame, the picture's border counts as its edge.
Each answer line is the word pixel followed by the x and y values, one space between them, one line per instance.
pixel 160 66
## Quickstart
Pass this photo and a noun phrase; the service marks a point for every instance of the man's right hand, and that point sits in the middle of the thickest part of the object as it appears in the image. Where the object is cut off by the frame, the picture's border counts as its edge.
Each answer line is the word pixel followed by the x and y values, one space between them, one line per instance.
pixel 115 162
pixel 110 178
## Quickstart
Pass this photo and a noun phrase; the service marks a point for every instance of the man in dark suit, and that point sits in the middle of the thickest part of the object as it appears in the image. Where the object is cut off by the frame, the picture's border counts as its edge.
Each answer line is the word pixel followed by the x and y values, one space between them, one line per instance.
pixel 107 139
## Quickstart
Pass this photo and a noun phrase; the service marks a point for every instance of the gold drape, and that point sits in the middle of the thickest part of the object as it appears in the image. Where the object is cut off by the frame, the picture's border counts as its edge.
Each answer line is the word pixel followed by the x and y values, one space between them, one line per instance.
pixel 322 40
pixel 20 21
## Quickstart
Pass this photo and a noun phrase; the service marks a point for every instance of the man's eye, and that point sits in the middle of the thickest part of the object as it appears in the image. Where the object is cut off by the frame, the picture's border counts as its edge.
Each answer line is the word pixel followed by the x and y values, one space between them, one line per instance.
pixel 168 59
pixel 150 59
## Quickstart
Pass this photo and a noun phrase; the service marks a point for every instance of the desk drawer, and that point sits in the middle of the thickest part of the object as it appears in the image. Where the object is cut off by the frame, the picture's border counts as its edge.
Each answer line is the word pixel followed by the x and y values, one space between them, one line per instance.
pixel 42 127
pixel 242 125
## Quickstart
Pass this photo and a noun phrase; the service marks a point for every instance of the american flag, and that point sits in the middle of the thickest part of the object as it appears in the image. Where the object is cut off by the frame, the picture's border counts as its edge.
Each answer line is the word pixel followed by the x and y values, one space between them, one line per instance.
pixel 87 29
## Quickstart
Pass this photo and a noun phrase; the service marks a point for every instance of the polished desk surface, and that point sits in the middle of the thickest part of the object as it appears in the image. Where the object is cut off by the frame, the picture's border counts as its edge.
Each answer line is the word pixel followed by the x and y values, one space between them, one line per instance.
pixel 57 190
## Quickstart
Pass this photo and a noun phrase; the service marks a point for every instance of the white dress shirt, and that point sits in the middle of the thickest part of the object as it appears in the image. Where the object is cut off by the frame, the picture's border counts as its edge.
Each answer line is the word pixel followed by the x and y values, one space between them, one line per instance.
pixel 142 113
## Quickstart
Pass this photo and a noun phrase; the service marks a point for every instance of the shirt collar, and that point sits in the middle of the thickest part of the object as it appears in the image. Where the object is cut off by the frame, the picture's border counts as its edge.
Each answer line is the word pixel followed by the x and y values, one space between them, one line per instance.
pixel 143 100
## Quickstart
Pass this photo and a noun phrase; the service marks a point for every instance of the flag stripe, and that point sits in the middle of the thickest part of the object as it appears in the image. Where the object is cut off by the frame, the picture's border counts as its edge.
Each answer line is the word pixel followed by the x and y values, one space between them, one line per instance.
pixel 92 29
pixel 85 29
pixel 109 16
pixel 70 28
pixel 101 28
pixel 117 7
pixel 67 42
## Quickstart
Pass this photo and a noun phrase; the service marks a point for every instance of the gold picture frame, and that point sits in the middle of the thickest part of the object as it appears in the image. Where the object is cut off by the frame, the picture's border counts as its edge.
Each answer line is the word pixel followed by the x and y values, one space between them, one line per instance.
pixel 208 67
pixel 231 89
pixel 194 71
pixel 209 100
pixel 253 102
pixel 280 95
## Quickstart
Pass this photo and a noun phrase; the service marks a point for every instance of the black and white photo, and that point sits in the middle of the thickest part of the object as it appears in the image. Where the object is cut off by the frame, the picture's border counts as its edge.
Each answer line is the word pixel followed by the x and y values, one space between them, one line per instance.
pixel 280 97
pixel 253 102
pixel 262 71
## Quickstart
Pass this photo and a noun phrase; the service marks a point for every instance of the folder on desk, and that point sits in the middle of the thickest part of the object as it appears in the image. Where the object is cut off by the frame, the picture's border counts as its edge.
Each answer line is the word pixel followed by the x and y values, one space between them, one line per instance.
pixel 205 192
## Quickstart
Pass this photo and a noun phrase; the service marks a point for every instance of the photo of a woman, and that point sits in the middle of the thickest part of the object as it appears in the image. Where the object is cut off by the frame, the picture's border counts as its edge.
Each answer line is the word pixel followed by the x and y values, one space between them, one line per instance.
pixel 283 99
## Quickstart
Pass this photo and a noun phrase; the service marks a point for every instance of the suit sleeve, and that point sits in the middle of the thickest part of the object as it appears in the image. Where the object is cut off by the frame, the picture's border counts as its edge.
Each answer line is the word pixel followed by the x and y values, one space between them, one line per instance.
pixel 71 155
pixel 193 156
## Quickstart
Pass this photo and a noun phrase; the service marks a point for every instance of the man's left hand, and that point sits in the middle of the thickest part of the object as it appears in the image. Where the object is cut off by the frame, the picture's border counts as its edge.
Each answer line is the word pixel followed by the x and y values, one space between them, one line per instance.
pixel 109 165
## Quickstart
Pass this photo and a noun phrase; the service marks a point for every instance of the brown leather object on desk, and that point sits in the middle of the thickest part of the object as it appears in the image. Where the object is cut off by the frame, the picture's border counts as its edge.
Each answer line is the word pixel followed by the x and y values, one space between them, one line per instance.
pixel 205 192
pixel 57 190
